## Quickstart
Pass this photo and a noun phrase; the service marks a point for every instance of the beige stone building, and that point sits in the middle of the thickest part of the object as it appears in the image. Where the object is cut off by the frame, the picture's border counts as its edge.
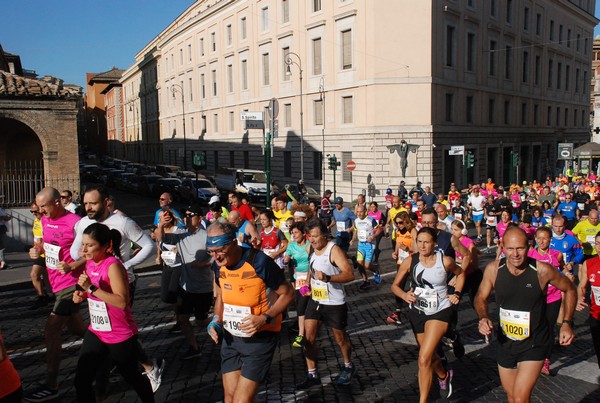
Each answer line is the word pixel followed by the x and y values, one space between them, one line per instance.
pixel 493 76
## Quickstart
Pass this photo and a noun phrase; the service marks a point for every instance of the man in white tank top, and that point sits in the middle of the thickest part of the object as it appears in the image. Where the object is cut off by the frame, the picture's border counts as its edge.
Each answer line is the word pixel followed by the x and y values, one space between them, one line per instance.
pixel 329 270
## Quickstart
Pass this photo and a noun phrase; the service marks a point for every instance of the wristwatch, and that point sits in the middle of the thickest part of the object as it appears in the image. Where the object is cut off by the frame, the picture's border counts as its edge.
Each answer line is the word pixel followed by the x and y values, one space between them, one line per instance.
pixel 92 289
pixel 569 322
pixel 327 278
pixel 268 318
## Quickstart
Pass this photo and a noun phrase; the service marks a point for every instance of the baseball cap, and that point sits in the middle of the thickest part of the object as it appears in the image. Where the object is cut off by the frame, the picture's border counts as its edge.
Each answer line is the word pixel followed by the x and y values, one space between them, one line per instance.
pixel 328 192
pixel 214 199
pixel 195 208
pixel 338 200
pixel 388 191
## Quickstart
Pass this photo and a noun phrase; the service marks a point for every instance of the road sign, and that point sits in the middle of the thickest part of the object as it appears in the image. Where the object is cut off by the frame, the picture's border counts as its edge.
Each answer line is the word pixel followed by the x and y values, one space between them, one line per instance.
pixel 456 150
pixel 565 151
pixel 351 165
pixel 275 129
pixel 251 116
pixel 254 124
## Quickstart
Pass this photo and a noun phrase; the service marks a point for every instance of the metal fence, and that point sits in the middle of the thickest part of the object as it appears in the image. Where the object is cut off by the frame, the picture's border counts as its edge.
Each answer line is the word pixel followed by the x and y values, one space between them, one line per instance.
pixel 20 181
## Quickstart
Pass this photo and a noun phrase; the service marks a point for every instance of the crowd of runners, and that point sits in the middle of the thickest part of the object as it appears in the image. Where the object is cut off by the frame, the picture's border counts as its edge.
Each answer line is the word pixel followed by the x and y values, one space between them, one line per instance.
pixel 238 271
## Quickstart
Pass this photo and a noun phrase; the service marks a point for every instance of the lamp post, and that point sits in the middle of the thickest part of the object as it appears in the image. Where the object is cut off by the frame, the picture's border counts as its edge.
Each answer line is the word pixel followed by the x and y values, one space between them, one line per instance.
pixel 322 99
pixel 289 61
pixel 178 88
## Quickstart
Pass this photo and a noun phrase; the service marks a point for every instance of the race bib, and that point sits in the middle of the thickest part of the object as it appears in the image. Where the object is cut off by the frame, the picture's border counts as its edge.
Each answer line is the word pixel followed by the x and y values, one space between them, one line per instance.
pixel 458 216
pixel 596 294
pixel 99 316
pixel 491 221
pixel 283 226
pixel 402 254
pixel 363 235
pixel 170 258
pixel 232 319
pixel 427 300
pixel 52 253
pixel 591 239
pixel 341 226
pixel 515 324
pixel 301 280
pixel 581 206
pixel 320 291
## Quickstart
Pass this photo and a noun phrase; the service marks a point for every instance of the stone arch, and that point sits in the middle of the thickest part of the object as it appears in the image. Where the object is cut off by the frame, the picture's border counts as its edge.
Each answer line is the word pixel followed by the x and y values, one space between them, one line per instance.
pixel 28 119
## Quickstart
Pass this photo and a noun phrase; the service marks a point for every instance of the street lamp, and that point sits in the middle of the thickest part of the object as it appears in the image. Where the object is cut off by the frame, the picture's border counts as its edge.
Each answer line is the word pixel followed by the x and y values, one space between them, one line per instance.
pixel 322 99
pixel 178 88
pixel 289 61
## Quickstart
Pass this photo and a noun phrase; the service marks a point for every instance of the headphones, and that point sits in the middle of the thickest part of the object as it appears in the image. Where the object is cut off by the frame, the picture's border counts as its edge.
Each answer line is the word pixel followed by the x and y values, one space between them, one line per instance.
pixel 464 229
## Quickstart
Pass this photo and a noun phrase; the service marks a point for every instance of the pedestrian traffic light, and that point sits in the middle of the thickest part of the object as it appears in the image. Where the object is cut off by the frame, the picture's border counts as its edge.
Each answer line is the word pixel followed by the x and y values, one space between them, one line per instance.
pixel 333 163
pixel 515 159
pixel 470 159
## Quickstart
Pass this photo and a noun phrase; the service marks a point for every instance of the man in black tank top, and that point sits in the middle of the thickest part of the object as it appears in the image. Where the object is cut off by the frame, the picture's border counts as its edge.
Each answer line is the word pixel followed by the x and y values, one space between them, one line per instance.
pixel 523 336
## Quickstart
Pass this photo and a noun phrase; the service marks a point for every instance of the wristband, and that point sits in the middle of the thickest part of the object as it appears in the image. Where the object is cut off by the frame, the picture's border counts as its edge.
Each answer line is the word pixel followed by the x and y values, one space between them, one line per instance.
pixel 327 278
pixel 216 325
pixel 458 293
pixel 569 322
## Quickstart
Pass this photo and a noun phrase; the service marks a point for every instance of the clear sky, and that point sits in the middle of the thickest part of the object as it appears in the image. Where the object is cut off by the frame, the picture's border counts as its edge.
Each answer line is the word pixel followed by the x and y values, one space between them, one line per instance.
pixel 69 38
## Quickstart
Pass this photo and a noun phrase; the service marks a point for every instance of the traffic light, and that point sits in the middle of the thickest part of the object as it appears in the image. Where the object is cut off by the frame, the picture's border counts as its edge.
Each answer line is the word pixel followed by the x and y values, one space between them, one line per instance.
pixel 470 159
pixel 515 159
pixel 333 163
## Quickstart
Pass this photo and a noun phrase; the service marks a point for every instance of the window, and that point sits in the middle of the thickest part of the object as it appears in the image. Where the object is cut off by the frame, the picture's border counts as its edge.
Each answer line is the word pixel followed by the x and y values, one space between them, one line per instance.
pixel 231 158
pixel 316 5
pixel 215 122
pixel 450 32
pixel 317 165
pixel 559 76
pixel 506 112
pixel 347 49
pixel 560 34
pixel 509 11
pixel 508 63
pixel 583 117
pixel 228 35
pixel 287 163
pixel 346 174
pixel 538 24
pixel 318 112
pixel 203 86
pixel 575 112
pixel 213 42
pixel 538 68
pixel 550 73
pixel 191 89
pixel 549 116
pixel 243 28
pixel 246 159
pixel 180 57
pixel 232 122
pixel 523 113
pixel 491 110
pixel 287 115
pixel 201 46
pixel 348 113
pixel 577 44
pixel 214 82
pixel 316 48
pixel 470 51
pixel 216 159
pixel 551 30
pixel 558 116
pixel 265 65
pixel 229 78
pixel 492 61
pixel 526 19
pixel 285 51
pixel 577 79
pixel 189 52
pixel 585 46
pixel 493 6
pixel 569 37
pixel 244 73
pixel 525 77
pixel 265 19
pixel 585 82
pixel 567 77
pixel 285 11
pixel 566 123
pixel 536 115
pixel 469 107
pixel 449 107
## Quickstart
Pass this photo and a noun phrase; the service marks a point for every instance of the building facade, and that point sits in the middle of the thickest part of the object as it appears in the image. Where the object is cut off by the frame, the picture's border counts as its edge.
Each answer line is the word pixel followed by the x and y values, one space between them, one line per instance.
pixel 391 85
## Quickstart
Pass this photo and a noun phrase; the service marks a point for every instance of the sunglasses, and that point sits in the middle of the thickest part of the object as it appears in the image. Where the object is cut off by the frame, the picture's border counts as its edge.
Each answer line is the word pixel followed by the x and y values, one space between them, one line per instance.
pixel 34 211
pixel 64 197
pixel 162 199
pixel 399 222
pixel 189 215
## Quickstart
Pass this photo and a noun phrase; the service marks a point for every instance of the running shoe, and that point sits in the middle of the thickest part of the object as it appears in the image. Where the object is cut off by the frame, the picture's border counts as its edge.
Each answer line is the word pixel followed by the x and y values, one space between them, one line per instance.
pixel 456 345
pixel 175 329
pixel 298 341
pixel 309 382
pixel 346 375
pixel 377 277
pixel 41 393
pixel 155 374
pixel 191 353
pixel 446 385
pixel 366 284
pixel 393 319
pixel 546 367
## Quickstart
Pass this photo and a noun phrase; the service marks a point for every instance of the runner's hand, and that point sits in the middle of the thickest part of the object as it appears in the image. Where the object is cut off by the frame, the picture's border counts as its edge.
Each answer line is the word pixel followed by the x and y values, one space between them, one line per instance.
pixel 63 267
pixel 252 324
pixel 566 335
pixel 486 326
pixel 84 281
pixel 34 253
pixel 581 304
pixel 453 298
pixel 79 296
pixel 410 296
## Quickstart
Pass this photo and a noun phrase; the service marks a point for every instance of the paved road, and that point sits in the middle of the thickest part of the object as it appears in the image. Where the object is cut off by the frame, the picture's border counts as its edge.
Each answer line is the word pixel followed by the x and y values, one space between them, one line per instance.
pixel 385 355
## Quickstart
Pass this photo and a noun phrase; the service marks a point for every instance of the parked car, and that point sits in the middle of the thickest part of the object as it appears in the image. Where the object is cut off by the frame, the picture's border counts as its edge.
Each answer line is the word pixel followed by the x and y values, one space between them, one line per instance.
pixel 111 175
pixel 163 185
pixel 167 170
pixel 196 189
pixel 122 180
pixel 249 181
pixel 311 193
pixel 91 173
pixel 188 174
pixel 146 184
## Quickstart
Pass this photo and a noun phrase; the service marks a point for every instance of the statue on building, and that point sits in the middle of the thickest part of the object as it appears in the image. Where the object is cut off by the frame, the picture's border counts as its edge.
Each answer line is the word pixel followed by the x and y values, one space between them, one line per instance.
pixel 403 149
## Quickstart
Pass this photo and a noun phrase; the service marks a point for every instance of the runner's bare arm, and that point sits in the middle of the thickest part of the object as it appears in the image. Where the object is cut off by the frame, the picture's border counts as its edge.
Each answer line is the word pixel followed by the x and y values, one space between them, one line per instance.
pixel 409 297
pixel 582 287
pixel 459 279
pixel 339 259
pixel 549 275
pixel 481 303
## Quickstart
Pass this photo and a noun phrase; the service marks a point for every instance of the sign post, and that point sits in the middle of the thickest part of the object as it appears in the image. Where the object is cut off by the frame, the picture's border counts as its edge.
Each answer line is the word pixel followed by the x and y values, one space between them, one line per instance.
pixel 274 111
pixel 351 166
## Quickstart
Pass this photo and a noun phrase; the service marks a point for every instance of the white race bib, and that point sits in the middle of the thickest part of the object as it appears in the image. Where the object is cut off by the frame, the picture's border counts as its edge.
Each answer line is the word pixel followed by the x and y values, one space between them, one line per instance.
pixel 232 319
pixel 427 300
pixel 320 291
pixel 491 221
pixel 170 258
pixel 581 206
pixel 301 280
pixel 591 239
pixel 341 226
pixel 363 235
pixel 99 316
pixel 283 226
pixel 458 216
pixel 402 254
pixel 596 294
pixel 515 324
pixel 52 253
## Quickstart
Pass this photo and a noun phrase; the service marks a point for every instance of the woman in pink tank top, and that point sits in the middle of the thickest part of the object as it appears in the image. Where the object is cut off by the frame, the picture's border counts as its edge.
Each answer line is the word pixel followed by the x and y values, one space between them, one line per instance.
pixel 112 331
pixel 543 253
